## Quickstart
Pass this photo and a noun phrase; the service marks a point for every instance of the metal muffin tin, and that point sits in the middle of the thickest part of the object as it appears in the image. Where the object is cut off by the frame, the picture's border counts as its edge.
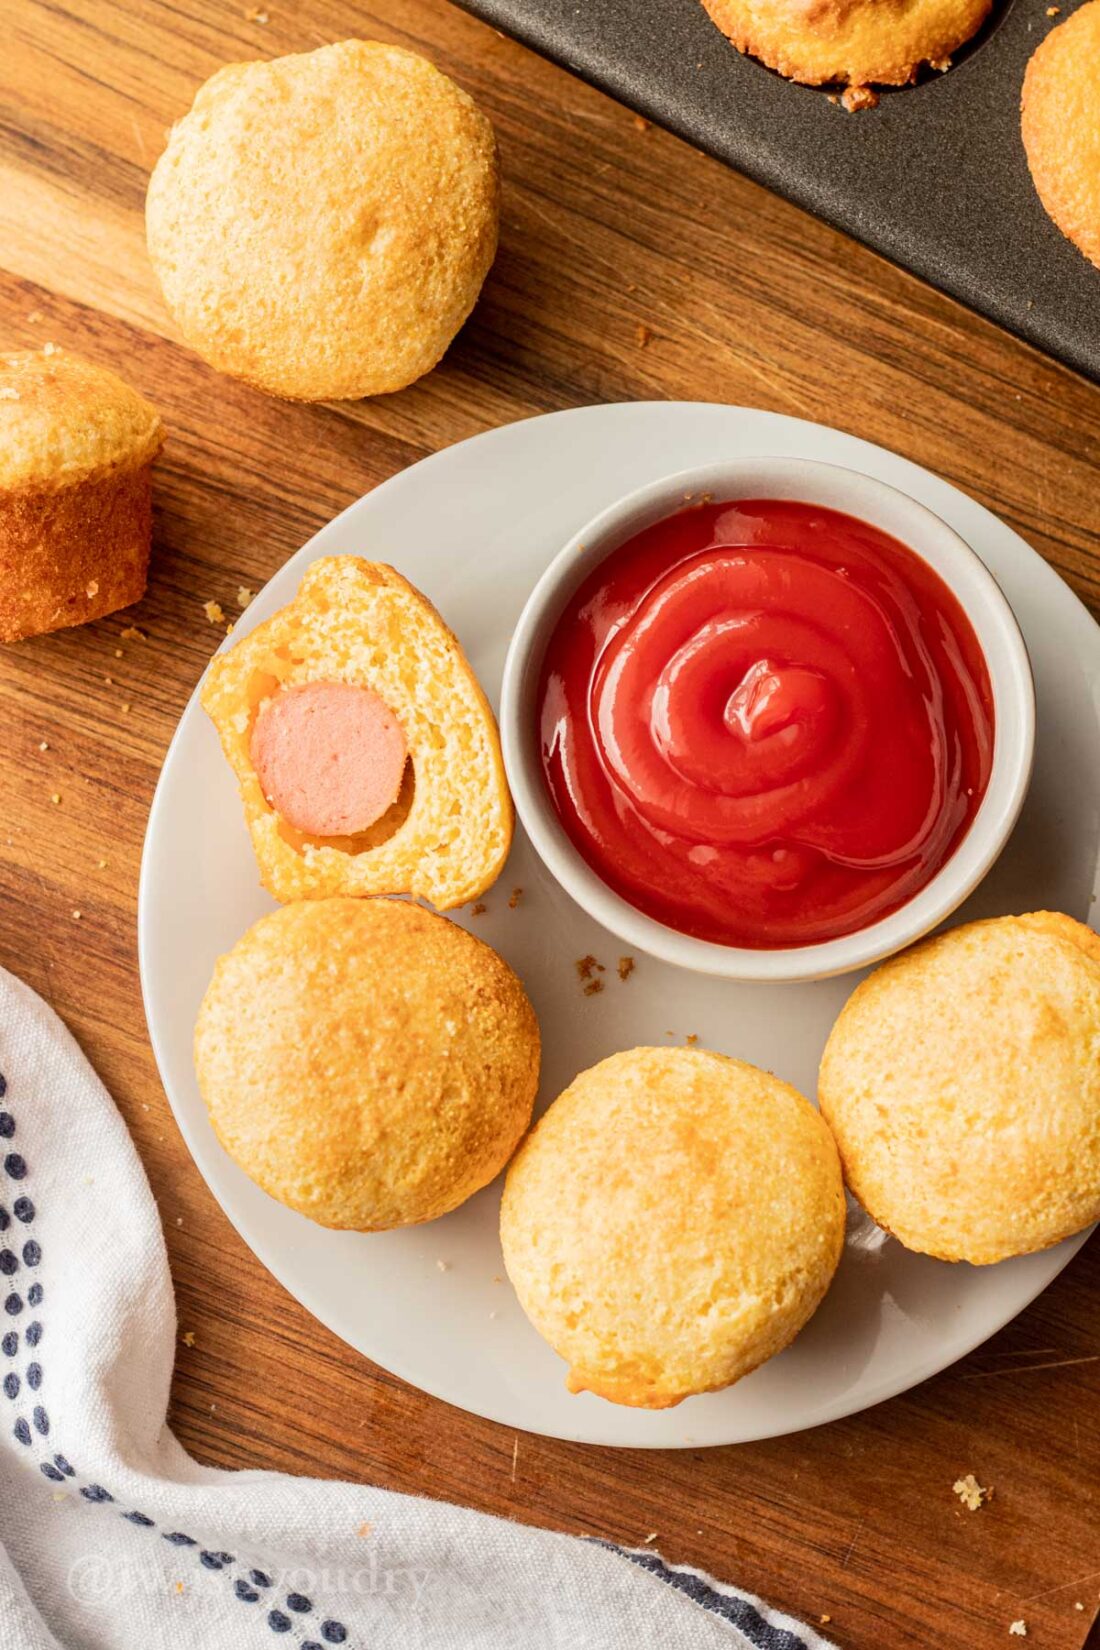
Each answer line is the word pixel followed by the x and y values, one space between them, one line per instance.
pixel 935 178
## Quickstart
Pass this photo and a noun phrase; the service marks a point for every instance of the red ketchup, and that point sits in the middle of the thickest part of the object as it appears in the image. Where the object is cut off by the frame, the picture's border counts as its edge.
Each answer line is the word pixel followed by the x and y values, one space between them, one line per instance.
pixel 765 723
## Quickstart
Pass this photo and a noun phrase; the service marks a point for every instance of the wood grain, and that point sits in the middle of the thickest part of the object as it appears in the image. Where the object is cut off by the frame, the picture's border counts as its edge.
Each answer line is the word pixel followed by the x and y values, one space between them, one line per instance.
pixel 608 228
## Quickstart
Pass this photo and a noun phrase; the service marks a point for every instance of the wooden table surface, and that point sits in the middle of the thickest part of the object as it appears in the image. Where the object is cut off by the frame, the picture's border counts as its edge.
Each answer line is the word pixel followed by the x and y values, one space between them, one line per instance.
pixel 608 228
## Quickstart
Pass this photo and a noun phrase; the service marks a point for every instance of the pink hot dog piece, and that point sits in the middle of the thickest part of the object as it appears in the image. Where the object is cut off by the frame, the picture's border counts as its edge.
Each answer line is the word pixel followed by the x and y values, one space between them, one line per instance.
pixel 329 756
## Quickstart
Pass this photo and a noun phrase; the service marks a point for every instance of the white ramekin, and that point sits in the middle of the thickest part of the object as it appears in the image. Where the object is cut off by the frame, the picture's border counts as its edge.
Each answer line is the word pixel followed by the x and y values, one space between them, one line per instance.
pixel 922 532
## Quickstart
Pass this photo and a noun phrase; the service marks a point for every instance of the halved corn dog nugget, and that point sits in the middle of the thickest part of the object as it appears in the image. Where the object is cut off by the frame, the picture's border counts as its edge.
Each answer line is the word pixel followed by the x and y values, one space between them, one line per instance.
pixel 366 753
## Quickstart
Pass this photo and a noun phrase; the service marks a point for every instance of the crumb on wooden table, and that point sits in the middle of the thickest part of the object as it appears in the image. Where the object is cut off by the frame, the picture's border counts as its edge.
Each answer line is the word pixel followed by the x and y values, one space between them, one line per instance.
pixel 651 1538
pixel 77 915
pixel 1017 1629
pixel 642 334
pixel 641 124
pixel 188 1337
pixel 244 595
pixel 55 798
pixel 859 97
pixel 970 1492
pixel 43 745
pixel 626 967
pixel 213 611
pixel 131 633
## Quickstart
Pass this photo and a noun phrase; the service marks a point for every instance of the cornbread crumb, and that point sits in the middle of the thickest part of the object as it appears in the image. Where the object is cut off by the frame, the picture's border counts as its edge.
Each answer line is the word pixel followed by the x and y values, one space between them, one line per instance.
pixel 49 349
pixel 1054 11
pixel 43 745
pixel 126 709
pixel 593 987
pixel 641 124
pixel 587 966
pixel 479 909
pixel 514 898
pixel 34 316
pixel 940 64
pixel 859 97
pixel 110 681
pixel 101 865
pixel 832 97
pixel 642 334
pixel 444 1265
pixel 55 798
pixel 1018 1629
pixel 244 596
pixel 118 653
pixel 179 1586
pixel 213 611
pixel 1078 1605
pixel 131 634
pixel 626 967
pixel 651 1537
pixel 188 1338
pixel 970 1492
pixel 824 1620
pixel 77 916
pixel 691 1039
pixel 364 1530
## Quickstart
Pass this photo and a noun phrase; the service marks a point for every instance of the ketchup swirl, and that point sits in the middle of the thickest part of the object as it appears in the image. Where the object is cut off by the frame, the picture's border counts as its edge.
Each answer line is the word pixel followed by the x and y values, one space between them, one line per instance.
pixel 765 723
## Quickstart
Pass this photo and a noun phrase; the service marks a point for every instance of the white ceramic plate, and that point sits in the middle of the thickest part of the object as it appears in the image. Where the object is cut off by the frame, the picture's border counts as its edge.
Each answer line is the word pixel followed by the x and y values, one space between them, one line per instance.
pixel 474 526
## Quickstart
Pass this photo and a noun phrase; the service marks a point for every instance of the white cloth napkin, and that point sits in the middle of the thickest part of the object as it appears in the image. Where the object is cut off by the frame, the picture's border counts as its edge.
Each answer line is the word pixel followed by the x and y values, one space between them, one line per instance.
pixel 112 1537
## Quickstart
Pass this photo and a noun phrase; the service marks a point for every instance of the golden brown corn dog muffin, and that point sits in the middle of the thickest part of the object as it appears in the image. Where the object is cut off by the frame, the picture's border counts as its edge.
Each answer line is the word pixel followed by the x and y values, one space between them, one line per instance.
pixel 671 1222
pixel 962 1083
pixel 366 753
pixel 321 224
pixel 1060 123
pixel 366 1062
pixel 852 42
pixel 76 517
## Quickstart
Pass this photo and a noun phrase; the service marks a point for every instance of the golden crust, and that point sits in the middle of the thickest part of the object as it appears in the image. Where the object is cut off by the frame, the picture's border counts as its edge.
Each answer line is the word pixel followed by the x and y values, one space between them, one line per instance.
pixel 63 420
pixel 962 1083
pixel 860 42
pixel 671 1222
pixel 366 1062
pixel 1060 123
pixel 447 837
pixel 321 224
pixel 76 451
